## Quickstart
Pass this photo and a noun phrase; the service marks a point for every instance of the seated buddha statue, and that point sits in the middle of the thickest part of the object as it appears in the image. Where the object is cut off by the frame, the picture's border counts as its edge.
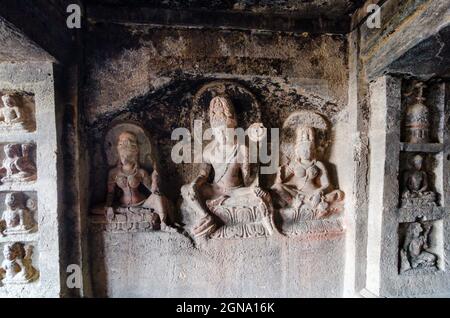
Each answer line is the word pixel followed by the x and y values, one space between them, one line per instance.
pixel 230 202
pixel 17 217
pixel 131 190
pixel 11 114
pixel 18 165
pixel 303 183
pixel 416 187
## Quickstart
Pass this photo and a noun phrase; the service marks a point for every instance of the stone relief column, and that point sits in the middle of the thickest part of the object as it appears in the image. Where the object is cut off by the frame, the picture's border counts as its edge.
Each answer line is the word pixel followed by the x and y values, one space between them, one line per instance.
pixel 407 200
pixel 29 200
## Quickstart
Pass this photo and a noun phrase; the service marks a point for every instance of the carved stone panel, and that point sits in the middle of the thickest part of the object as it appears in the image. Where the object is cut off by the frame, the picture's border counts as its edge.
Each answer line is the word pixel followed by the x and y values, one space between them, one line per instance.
pixel 17 266
pixel 225 199
pixel 133 199
pixel 18 163
pixel 18 213
pixel 17 112
pixel 420 248
pixel 417 181
pixel 303 192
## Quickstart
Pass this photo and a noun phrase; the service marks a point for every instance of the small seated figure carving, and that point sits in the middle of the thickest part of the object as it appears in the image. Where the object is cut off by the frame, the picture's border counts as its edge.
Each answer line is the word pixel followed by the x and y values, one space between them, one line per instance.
pixel 303 183
pixel 18 165
pixel 17 265
pixel 132 182
pixel 414 253
pixel 17 217
pixel 12 116
pixel 230 203
pixel 416 185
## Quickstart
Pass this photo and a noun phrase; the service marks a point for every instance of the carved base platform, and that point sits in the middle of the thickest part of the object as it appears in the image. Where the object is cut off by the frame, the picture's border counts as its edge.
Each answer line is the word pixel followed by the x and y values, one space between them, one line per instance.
pixel 241 222
pixel 127 221
pixel 309 223
pixel 418 202
pixel 15 128
pixel 19 230
pixel 18 180
pixel 19 279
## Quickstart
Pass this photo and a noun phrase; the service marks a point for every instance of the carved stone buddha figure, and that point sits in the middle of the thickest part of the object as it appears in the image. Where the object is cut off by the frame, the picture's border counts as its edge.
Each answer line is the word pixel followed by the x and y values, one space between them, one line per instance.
pixel 11 112
pixel 303 183
pixel 17 267
pixel 414 253
pixel 131 188
pixel 230 191
pixel 17 217
pixel 17 165
pixel 416 187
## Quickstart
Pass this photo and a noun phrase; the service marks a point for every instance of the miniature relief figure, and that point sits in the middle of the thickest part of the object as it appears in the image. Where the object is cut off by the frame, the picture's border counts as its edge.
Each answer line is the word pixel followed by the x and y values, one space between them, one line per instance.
pixel 303 183
pixel 17 165
pixel 12 114
pixel 416 187
pixel 131 189
pixel 417 119
pixel 17 217
pixel 17 265
pixel 414 253
pixel 231 206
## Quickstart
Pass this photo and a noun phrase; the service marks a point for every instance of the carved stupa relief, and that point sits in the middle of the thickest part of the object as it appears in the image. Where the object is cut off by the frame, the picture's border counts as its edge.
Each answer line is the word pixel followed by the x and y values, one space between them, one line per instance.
pixel 417 117
pixel 134 201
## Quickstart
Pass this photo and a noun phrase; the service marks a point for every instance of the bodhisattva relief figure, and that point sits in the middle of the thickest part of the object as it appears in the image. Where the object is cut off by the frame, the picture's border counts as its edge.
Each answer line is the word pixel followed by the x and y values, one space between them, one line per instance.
pixel 230 191
pixel 414 253
pixel 416 187
pixel 303 183
pixel 17 217
pixel 11 114
pixel 129 185
pixel 17 165
pixel 17 265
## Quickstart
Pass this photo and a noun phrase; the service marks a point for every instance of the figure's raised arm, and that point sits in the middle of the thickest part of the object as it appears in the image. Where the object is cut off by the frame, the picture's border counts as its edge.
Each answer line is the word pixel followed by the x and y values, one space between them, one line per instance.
pixel 324 179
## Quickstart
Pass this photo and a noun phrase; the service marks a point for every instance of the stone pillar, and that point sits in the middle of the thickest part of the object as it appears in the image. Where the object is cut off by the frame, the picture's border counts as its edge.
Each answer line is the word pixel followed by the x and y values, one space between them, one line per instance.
pixel 33 83
pixel 391 224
